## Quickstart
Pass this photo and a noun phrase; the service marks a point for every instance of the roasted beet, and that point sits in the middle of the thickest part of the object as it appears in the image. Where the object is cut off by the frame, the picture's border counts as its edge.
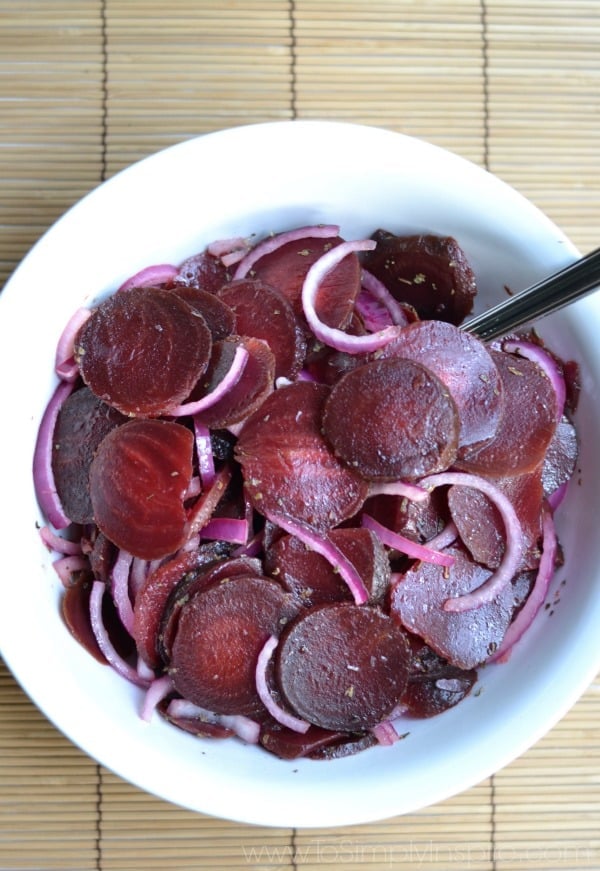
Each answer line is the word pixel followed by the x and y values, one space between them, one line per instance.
pixel 343 666
pixel 430 273
pixel 203 271
pixel 561 457
pixel 220 634
pixel 219 317
pixel 434 685
pixel 138 481
pixel 264 313
pixel 392 419
pixel 83 421
pixel 288 466
pixel 142 351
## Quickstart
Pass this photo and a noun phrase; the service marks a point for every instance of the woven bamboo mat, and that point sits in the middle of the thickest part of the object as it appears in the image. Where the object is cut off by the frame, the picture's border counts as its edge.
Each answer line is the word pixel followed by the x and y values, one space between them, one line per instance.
pixel 88 86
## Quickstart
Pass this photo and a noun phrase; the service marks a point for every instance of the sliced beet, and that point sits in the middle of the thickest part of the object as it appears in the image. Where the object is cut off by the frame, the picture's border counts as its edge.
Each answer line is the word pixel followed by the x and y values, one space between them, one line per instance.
pixel 481 527
pixel 561 457
pixel 75 609
pixel 312 579
pixel 153 596
pixel 343 666
pixel 344 746
pixel 464 639
pixel 83 421
pixel 220 634
pixel 463 363
pixel 264 313
pixel 138 481
pixel 219 317
pixel 143 351
pixel 418 521
pixel 430 273
pixel 434 685
pixel 193 582
pixel 103 554
pixel 287 744
pixel 527 423
pixel 288 466
pixel 203 271
pixel 285 269
pixel 392 419
pixel 255 384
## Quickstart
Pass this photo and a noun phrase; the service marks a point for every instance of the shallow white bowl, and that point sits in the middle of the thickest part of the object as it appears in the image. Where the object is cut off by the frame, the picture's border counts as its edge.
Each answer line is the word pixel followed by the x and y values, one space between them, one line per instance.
pixel 258 179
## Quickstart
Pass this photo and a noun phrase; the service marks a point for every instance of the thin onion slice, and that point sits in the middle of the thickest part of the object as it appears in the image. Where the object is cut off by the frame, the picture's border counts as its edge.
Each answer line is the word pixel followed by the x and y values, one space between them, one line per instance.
pixel 231 529
pixel 245 728
pixel 323 545
pixel 536 598
pixel 379 291
pixel 64 365
pixel 157 691
pixel 120 589
pixel 59 544
pixel 546 363
pixel 204 452
pixel 272 243
pixel 105 644
pixel 66 566
pixel 151 276
pixel 230 379
pixel 43 476
pixel 411 548
pixel 331 336
pixel 448 534
pixel 513 551
pixel 399 488
pixel 262 687
pixel 385 733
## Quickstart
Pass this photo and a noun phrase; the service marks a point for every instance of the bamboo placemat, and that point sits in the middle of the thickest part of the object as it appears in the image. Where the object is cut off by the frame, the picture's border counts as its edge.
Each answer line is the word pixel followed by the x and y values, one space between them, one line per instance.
pixel 88 86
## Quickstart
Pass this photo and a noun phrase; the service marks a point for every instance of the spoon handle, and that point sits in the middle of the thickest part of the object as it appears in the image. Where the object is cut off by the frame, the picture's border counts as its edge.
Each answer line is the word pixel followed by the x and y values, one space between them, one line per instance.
pixel 546 296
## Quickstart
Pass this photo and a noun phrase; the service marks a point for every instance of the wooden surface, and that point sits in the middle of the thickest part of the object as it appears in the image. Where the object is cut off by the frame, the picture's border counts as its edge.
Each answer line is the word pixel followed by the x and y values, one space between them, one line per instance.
pixel 87 87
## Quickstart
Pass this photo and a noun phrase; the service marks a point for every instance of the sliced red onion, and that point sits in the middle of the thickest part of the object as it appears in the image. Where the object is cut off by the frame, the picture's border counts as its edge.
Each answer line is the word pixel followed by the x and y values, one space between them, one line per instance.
pixel 157 691
pixel 547 364
pixel 385 733
pixel 204 452
pixel 252 548
pixel 60 545
pixel 231 378
pixel 272 243
pixel 201 512
pixel 513 551
pixel 556 497
pixel 374 314
pixel 105 644
pixel 144 670
pixel 66 566
pixel 245 728
pixel 379 291
pixel 43 476
pixel 277 712
pixel 151 276
pixel 65 366
pixel 120 589
pixel 323 545
pixel 399 488
pixel 229 529
pixel 448 534
pixel 536 598
pixel 411 548
pixel 194 489
pixel 229 251
pixel 335 338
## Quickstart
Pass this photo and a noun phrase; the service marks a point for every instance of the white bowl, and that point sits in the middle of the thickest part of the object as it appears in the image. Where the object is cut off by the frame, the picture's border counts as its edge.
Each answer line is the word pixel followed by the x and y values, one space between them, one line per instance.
pixel 258 179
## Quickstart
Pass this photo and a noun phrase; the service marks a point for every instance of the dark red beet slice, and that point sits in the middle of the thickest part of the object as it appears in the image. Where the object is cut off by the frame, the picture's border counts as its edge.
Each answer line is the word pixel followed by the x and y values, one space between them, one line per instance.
pixel 392 419
pixel 465 639
pixel 255 384
pixel 481 527
pixel 220 634
pixel 434 685
pixel 346 745
pixel 289 469
pixel 285 270
pixel 527 423
pixel 138 481
pixel 75 609
pixel 343 666
pixel 264 313
pixel 419 521
pixel 312 579
pixel 219 318
pixel 143 351
pixel 463 363
pixel 192 583
pixel 561 457
pixel 153 595
pixel 83 421
pixel 198 727
pixel 286 744
pixel 430 273
pixel 204 271
pixel 102 556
